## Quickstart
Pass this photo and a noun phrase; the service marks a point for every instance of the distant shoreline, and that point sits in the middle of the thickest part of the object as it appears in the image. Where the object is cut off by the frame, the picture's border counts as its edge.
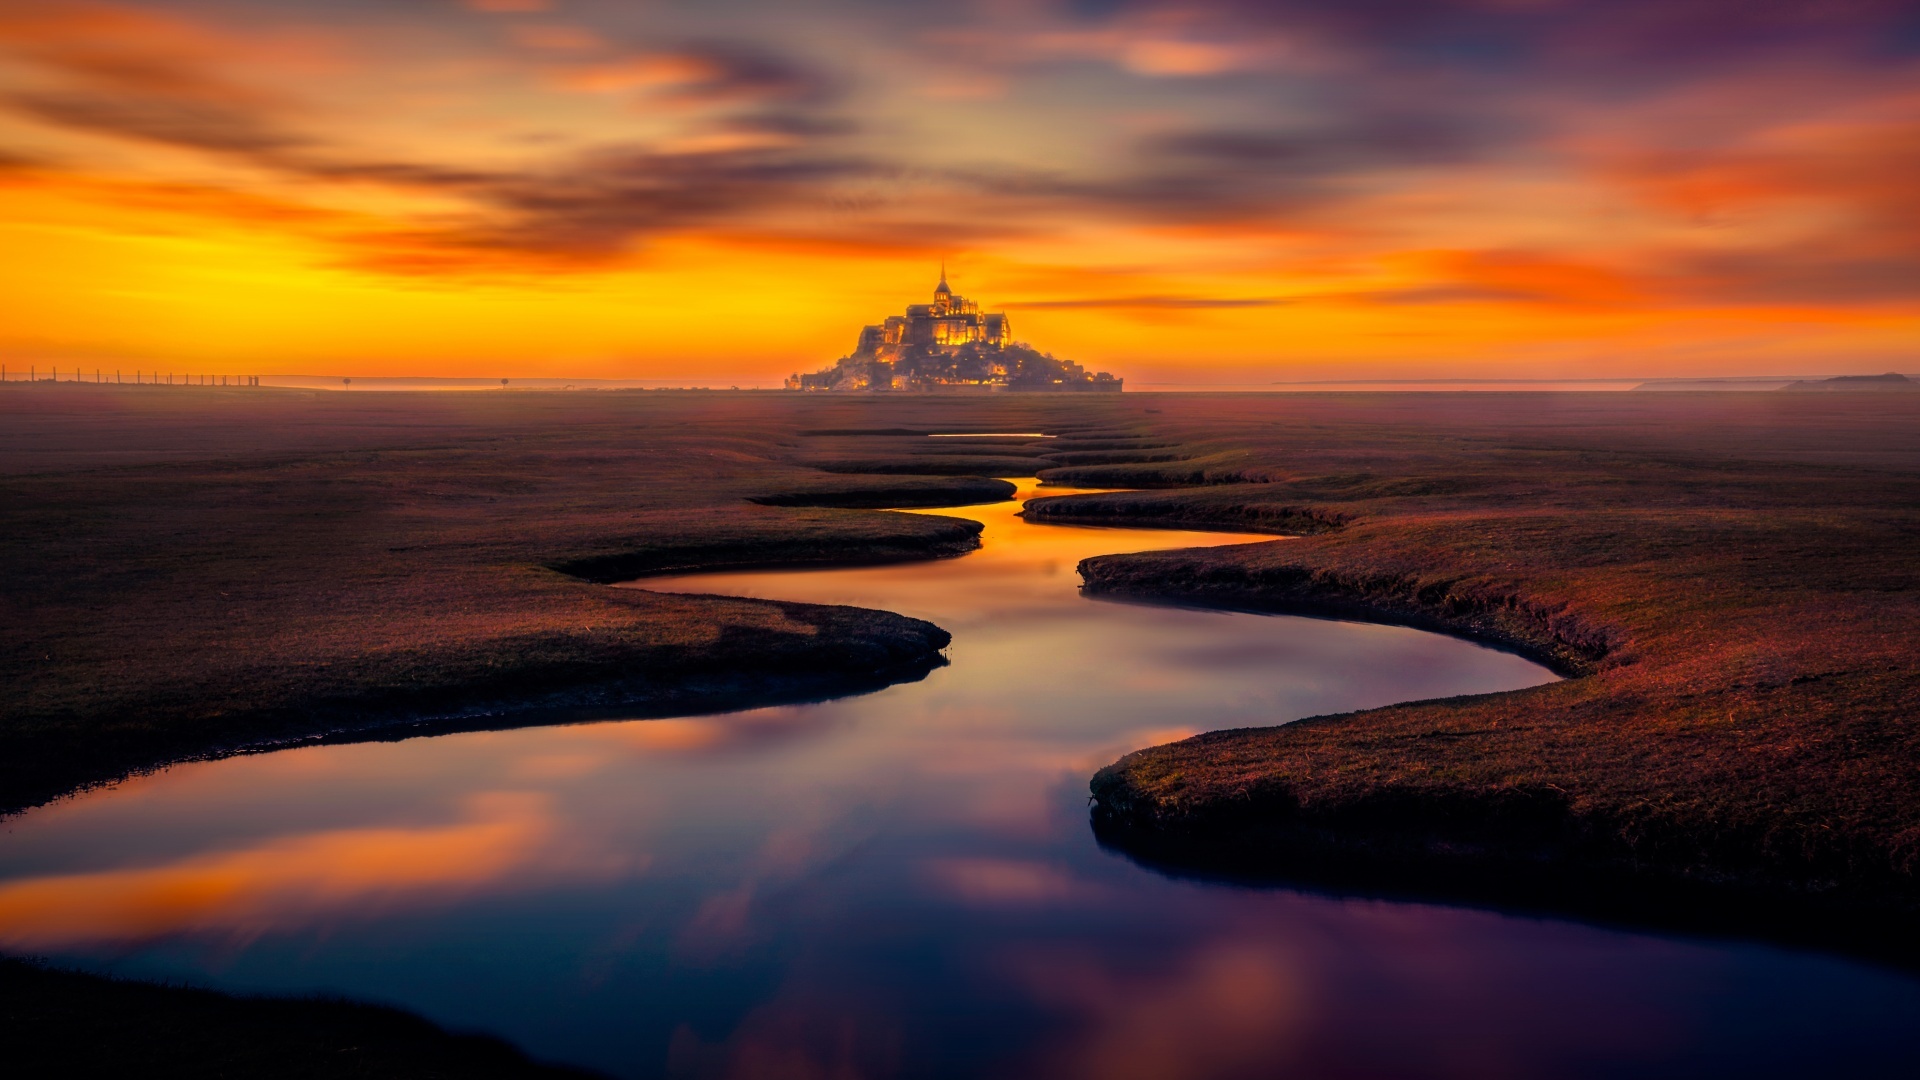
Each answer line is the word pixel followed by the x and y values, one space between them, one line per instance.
pixel 1136 387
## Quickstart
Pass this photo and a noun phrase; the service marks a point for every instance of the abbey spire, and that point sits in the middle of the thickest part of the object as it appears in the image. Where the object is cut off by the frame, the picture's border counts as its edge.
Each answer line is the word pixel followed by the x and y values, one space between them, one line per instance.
pixel 948 344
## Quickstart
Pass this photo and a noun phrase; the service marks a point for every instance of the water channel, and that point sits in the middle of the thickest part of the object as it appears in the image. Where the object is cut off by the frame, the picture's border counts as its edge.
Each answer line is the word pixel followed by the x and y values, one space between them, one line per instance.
pixel 903 883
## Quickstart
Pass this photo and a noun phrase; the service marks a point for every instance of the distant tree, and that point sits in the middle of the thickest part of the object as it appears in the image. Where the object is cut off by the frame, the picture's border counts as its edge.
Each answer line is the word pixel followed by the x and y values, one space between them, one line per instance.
pixel 503 384
pixel 346 383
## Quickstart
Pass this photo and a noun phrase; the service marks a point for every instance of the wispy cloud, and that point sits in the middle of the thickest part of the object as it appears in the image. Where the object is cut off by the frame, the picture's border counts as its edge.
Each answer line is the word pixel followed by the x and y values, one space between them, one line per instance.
pixel 510 7
pixel 1152 303
pixel 591 210
pixel 1433 166
pixel 187 122
pixel 711 74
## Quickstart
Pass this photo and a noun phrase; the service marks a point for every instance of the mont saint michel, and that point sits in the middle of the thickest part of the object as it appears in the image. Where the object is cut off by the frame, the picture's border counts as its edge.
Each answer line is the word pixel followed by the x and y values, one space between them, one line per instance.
pixel 950 345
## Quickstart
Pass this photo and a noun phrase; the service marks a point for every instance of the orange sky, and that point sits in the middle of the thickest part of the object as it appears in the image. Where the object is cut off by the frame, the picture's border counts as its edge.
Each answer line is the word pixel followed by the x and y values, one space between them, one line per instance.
pixel 1203 191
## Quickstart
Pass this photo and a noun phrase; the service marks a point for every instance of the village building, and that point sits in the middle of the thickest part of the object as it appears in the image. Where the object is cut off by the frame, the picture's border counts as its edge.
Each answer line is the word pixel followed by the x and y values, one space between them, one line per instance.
pixel 949 344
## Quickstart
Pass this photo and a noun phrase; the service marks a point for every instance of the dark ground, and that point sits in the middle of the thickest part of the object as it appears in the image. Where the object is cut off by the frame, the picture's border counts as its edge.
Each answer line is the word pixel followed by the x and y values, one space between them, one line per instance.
pixel 1730 577
pixel 66 1024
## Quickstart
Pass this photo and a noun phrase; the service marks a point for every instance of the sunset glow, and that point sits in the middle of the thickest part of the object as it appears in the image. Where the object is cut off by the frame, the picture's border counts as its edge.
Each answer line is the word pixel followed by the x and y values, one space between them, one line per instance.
pixel 251 890
pixel 1211 192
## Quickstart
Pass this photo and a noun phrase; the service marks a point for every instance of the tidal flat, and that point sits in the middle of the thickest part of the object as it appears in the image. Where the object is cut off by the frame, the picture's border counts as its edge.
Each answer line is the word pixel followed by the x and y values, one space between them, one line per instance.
pixel 1728 580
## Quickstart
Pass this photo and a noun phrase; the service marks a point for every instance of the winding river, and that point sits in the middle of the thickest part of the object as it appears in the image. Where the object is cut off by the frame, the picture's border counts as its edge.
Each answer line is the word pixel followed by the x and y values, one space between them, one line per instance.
pixel 903 883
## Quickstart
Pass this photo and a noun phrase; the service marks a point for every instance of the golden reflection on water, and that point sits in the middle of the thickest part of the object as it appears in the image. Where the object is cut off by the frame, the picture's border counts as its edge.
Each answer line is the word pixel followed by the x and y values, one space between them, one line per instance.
pixel 286 880
pixel 1019 566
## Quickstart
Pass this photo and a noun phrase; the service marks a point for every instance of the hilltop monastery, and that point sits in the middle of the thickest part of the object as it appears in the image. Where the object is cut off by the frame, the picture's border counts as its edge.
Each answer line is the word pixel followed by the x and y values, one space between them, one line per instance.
pixel 949 345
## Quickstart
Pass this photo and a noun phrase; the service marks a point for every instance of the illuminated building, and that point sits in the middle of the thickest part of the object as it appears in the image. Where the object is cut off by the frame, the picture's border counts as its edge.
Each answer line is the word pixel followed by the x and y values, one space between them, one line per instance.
pixel 949 345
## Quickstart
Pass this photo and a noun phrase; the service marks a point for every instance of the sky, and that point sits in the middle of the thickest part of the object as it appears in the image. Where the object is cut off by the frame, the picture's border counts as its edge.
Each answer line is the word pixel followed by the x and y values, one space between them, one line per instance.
pixel 1234 191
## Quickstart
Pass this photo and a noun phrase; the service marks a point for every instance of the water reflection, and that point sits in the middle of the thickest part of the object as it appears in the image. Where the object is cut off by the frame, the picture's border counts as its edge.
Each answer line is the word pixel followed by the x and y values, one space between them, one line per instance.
pixel 283 882
pixel 901 883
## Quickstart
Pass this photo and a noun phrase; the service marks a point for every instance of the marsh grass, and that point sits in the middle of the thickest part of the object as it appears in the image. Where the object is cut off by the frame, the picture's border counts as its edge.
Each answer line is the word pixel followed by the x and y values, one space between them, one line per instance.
pixel 1733 580
pixel 195 573
pixel 1730 578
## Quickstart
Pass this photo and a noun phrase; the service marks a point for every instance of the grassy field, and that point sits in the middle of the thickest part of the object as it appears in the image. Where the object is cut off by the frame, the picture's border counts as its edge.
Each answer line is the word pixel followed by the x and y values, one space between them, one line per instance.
pixel 1732 576
pixel 189 572
pixel 1730 579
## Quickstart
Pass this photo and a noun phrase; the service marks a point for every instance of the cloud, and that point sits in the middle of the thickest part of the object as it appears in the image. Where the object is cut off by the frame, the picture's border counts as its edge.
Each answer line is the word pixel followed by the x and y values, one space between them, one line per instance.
pixel 244 134
pixel 1451 294
pixel 1405 138
pixel 1517 275
pixel 576 209
pixel 1685 151
pixel 1152 303
pixel 184 122
pixel 557 37
pixel 1803 275
pixel 1813 214
pixel 134 50
pixel 1156 193
pixel 1659 38
pixel 711 74
pixel 1154 50
pixel 591 210
pixel 207 203
pixel 1179 174
pixel 15 162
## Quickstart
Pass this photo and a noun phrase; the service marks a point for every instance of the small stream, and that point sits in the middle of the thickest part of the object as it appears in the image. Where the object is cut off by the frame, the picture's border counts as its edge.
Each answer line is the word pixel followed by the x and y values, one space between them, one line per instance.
pixel 904 883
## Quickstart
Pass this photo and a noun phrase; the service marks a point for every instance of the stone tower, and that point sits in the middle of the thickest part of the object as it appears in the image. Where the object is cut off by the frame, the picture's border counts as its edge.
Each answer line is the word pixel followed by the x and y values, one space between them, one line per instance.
pixel 942 296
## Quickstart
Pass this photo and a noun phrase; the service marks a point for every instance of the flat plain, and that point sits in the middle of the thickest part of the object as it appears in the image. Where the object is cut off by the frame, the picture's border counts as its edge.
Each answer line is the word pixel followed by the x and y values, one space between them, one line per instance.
pixel 1729 579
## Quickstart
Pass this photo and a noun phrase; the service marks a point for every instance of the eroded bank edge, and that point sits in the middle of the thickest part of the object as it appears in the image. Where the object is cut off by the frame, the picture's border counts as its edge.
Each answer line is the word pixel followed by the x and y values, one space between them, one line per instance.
pixel 76 1002
pixel 865 651
pixel 1507 848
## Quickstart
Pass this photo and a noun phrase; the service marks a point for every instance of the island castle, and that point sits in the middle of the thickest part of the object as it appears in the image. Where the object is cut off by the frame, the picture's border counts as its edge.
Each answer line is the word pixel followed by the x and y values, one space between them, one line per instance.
pixel 949 345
